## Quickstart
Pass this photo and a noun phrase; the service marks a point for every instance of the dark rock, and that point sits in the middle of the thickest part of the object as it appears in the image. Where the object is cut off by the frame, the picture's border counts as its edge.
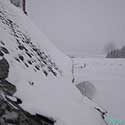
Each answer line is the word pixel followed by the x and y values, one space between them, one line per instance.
pixel 7 87
pixel 47 121
pixel 29 62
pixel 46 74
pixel 17 59
pixel 29 54
pixel 4 69
pixel 12 113
pixel 21 47
pixel 54 73
pixel 4 50
pixel 37 67
pixel 26 65
pixel 21 57
pixel 31 83
pixel 1 53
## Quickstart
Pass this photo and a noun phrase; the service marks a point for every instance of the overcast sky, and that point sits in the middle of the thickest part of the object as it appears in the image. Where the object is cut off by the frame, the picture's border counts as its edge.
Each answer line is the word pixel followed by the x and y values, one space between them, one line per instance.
pixel 81 27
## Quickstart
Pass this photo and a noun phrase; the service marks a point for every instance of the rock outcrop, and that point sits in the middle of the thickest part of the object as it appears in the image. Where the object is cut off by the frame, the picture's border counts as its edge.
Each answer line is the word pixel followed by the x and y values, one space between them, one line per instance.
pixel 4 69
pixel 87 89
pixel 11 112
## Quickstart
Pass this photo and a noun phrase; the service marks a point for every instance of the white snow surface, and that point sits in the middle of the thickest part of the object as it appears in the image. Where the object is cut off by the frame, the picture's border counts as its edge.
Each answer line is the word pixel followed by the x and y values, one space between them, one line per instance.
pixel 108 76
pixel 47 89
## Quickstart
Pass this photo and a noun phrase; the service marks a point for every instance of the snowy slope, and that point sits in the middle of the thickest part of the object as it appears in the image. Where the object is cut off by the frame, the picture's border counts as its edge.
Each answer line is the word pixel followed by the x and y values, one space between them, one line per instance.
pixel 41 73
pixel 107 75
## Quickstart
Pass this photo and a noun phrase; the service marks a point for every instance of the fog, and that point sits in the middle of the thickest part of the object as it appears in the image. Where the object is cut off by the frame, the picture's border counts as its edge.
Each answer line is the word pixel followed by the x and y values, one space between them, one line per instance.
pixel 80 27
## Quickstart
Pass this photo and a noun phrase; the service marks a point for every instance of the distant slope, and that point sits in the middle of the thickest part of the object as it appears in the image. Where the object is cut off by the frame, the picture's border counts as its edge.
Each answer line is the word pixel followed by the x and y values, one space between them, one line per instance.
pixel 40 72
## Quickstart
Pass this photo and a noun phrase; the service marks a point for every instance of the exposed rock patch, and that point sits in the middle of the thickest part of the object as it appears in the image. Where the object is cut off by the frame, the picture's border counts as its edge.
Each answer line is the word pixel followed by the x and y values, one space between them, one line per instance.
pixel 7 87
pixel 4 69
pixel 116 53
pixel 10 111
pixel 12 114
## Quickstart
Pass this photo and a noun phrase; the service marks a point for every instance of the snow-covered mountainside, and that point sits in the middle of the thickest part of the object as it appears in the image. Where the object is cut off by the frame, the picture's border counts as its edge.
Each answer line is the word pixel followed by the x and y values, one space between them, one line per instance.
pixel 107 75
pixel 40 72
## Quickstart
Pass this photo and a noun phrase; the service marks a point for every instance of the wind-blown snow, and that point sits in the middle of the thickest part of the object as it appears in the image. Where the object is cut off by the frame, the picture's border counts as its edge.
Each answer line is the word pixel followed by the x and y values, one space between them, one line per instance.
pixel 41 73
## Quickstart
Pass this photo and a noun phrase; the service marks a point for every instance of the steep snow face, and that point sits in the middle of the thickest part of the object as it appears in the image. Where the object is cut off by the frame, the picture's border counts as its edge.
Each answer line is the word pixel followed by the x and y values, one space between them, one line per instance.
pixel 41 73
pixel 31 51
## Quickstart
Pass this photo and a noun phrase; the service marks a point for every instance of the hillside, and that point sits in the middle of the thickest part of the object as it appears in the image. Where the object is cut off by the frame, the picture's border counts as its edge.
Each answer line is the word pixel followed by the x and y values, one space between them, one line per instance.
pixel 36 76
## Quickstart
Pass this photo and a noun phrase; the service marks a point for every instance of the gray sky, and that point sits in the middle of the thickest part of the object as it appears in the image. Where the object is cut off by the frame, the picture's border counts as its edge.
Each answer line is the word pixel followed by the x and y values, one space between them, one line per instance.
pixel 81 27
